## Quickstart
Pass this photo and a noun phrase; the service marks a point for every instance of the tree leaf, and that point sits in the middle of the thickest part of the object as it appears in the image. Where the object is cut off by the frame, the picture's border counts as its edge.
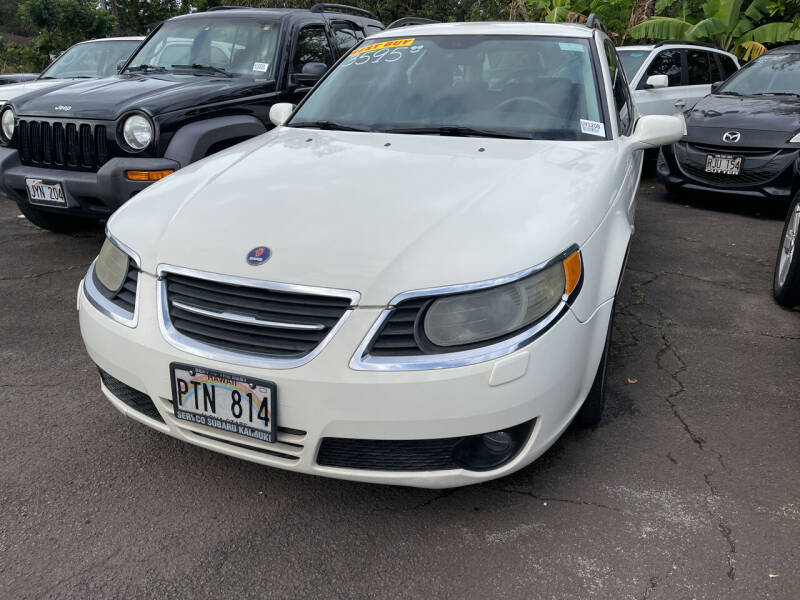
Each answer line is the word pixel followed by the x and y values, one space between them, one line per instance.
pixel 661 28
pixel 771 33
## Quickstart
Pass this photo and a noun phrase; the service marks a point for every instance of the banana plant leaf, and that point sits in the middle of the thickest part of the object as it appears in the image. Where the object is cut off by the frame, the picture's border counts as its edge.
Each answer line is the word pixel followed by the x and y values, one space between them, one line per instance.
pixel 771 33
pixel 661 28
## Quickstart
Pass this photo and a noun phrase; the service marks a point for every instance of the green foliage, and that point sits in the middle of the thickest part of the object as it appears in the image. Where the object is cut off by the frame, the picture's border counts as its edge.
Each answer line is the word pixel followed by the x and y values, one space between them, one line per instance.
pixel 61 23
pixel 726 23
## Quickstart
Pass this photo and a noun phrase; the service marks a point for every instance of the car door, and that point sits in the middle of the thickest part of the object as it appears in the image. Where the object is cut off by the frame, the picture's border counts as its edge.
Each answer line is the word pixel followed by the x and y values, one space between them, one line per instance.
pixel 701 71
pixel 311 45
pixel 661 101
pixel 625 114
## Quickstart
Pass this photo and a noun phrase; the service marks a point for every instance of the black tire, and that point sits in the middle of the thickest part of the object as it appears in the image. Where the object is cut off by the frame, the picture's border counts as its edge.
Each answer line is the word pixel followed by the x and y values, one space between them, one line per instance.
pixel 786 279
pixel 672 189
pixel 591 412
pixel 52 221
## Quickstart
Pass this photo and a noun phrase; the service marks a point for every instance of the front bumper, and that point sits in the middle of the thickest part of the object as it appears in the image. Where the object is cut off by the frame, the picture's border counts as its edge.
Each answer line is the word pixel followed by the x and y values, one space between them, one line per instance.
pixel 89 194
pixel 770 176
pixel 546 381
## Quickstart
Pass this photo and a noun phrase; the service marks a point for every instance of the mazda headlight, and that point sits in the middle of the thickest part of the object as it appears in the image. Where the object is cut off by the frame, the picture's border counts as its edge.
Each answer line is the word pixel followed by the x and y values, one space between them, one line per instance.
pixel 7 123
pixel 137 131
pixel 111 267
pixel 473 317
pixel 796 138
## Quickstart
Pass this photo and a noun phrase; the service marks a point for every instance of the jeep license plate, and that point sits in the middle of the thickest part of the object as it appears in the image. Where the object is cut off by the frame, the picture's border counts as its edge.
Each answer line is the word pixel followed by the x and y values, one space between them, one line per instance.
pixel 233 403
pixel 727 165
pixel 46 193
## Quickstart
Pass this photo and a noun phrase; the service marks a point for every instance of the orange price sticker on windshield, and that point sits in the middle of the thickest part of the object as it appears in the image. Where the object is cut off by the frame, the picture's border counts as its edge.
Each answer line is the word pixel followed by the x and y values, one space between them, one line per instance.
pixel 380 45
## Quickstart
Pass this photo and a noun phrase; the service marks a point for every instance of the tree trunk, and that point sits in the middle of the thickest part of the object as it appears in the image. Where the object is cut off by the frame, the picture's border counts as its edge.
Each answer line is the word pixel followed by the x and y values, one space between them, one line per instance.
pixel 642 10
pixel 116 16
pixel 518 7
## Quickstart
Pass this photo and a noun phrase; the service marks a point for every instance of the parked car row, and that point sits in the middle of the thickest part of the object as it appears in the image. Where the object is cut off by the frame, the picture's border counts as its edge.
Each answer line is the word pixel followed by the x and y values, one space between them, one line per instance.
pixel 198 84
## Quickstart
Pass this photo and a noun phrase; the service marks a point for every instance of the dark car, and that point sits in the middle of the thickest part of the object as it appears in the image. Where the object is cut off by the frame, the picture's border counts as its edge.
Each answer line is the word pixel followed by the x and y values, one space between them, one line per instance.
pixel 744 138
pixel 199 83
pixel 16 77
pixel 786 281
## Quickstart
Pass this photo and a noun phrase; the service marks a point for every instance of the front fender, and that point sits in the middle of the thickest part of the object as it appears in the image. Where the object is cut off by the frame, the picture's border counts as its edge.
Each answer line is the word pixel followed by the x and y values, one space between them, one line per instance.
pixel 192 142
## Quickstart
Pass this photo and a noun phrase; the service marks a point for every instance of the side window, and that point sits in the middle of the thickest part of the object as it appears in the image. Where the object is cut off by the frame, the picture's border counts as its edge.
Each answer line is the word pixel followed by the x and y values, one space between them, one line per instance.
pixel 728 66
pixel 698 69
pixel 666 62
pixel 716 75
pixel 373 29
pixel 622 96
pixel 312 46
pixel 347 35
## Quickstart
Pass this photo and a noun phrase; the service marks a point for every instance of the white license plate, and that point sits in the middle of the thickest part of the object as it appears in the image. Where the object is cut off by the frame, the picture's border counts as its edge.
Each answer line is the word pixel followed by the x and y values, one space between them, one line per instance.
pixel 727 165
pixel 48 193
pixel 233 403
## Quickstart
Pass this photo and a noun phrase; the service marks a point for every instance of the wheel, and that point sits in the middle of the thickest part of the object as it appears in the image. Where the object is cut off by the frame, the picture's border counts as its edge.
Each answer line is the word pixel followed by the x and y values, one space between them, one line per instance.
pixel 52 221
pixel 786 281
pixel 591 412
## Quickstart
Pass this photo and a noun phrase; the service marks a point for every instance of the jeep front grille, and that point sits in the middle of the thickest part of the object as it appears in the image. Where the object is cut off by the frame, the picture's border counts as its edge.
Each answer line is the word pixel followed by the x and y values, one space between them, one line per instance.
pixel 67 145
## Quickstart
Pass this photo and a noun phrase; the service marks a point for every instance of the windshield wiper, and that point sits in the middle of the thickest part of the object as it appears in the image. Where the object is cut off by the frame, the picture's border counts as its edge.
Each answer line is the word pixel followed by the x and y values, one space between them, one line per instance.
pixel 329 125
pixel 456 131
pixel 145 68
pixel 777 94
pixel 206 68
pixel 727 93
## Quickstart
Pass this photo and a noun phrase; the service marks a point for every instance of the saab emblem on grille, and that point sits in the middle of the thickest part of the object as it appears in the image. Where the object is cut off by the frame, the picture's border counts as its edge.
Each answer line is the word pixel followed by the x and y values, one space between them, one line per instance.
pixel 731 137
pixel 258 256
pixel 62 107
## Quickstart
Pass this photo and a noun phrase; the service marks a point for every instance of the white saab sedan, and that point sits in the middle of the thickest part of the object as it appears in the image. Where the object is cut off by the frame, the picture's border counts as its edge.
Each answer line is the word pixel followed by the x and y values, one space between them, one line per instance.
pixel 410 280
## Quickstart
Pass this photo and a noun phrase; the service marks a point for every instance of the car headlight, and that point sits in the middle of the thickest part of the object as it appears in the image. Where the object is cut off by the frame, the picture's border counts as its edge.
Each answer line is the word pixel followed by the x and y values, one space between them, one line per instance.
pixel 469 318
pixel 796 138
pixel 7 123
pixel 137 131
pixel 111 267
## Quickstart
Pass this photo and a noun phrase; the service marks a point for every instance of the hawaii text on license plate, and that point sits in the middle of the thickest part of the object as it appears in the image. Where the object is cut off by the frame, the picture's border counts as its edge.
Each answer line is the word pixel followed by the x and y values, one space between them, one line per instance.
pixel 48 193
pixel 233 403
pixel 728 165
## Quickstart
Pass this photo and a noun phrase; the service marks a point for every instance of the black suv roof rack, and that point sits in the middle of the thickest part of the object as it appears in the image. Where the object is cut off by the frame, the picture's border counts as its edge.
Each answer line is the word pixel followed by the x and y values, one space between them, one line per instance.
pixel 323 7
pixel 593 21
pixel 670 42
pixel 406 21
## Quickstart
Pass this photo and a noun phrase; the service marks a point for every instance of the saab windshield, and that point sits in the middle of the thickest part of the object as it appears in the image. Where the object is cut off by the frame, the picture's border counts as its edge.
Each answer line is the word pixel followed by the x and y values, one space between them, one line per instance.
pixel 467 85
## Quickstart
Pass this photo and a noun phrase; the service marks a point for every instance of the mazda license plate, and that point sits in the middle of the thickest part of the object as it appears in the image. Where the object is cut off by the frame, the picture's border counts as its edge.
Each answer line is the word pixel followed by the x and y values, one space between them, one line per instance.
pixel 727 165
pixel 233 403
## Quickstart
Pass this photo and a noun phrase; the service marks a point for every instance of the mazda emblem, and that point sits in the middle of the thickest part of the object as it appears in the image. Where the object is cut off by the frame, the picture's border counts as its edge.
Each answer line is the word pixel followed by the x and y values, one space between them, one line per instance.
pixel 731 137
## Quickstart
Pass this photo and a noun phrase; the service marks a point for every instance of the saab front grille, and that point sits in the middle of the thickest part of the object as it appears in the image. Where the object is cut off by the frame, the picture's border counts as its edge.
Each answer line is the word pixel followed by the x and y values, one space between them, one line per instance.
pixel 254 320
pixel 135 399
pixel 81 146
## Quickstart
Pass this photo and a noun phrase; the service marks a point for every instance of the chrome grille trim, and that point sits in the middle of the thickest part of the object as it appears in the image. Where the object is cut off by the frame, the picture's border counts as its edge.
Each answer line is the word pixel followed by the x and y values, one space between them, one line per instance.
pixel 196 347
pixel 245 319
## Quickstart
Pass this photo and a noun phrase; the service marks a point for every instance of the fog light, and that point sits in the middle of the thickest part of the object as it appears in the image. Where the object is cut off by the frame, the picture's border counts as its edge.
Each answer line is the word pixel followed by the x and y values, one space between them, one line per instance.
pixel 148 175
pixel 497 442
pixel 487 451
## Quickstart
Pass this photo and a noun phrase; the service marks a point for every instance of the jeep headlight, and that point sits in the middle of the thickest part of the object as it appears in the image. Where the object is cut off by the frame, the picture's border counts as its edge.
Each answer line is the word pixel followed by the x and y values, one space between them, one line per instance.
pixel 7 123
pixel 137 131
pixel 111 267
pixel 796 138
pixel 469 318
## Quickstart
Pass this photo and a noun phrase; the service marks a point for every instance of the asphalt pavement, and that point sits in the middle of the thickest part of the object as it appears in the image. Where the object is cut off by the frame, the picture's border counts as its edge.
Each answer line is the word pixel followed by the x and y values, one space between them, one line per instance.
pixel 689 488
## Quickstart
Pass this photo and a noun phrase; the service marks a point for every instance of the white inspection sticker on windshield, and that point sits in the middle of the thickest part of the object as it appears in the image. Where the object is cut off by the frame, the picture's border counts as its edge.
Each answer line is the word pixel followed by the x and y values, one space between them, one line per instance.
pixel 262 67
pixel 593 128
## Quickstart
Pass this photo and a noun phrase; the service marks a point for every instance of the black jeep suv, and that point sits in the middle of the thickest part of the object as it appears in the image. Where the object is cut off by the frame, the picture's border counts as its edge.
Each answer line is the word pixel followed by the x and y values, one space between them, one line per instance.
pixel 198 84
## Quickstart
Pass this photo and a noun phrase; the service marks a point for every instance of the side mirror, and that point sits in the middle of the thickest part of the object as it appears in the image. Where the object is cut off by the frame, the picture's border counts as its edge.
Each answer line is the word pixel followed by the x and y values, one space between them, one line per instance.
pixel 121 64
pixel 312 72
pixel 715 86
pixel 652 131
pixel 280 113
pixel 656 81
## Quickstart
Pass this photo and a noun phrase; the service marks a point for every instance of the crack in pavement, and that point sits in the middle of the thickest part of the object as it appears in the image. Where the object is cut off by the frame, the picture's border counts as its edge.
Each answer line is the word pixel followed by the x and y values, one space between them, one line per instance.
pixel 728 285
pixel 651 587
pixel 578 501
pixel 37 275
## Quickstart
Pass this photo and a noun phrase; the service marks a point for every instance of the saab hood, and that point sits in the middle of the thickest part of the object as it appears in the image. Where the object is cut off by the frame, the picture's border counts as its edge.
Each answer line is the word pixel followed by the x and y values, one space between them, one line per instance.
pixel 763 121
pixel 378 214
pixel 108 98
